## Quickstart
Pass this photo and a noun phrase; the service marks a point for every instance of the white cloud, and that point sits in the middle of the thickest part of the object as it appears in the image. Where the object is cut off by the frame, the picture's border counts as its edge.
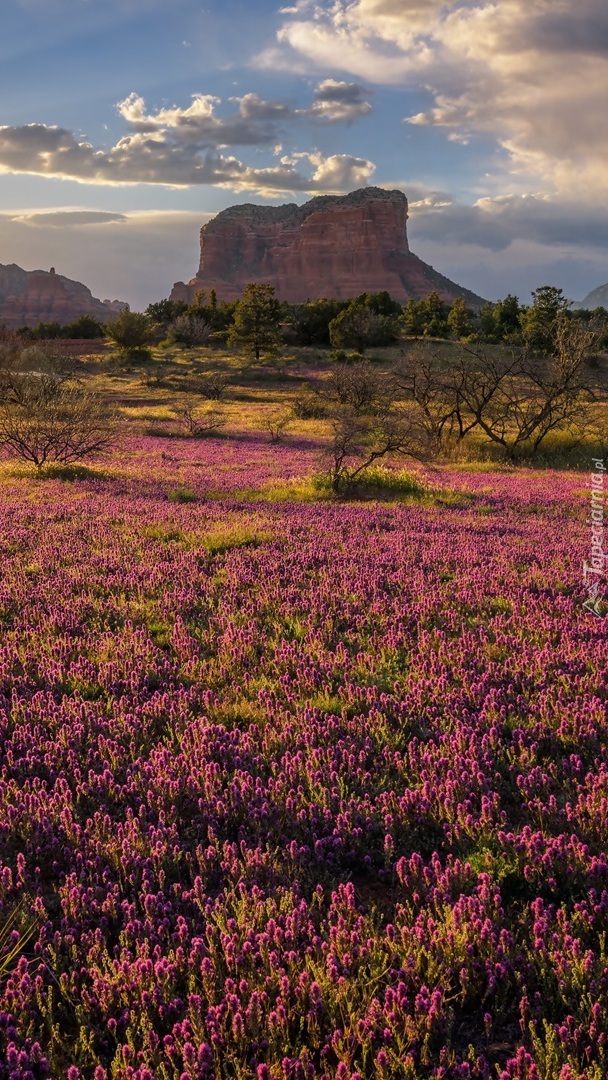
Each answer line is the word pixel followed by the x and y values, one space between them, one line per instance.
pixel 182 146
pixel 253 124
pixel 531 73
pixel 155 157
pixel 255 121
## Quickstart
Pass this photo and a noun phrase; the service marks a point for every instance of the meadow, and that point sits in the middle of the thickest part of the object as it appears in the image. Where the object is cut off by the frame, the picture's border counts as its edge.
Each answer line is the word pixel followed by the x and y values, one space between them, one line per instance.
pixel 294 787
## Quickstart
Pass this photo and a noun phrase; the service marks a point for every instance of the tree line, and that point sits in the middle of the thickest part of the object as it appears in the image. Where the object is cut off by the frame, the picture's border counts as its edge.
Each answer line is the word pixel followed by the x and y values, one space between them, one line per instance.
pixel 260 322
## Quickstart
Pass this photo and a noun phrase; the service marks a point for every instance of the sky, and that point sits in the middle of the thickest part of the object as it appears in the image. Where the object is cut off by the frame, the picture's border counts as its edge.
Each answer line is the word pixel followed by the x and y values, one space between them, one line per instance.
pixel 126 124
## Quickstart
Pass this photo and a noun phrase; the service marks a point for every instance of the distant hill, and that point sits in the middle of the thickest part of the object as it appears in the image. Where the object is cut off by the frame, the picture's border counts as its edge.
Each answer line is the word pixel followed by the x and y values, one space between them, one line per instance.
pixel 28 297
pixel 333 245
pixel 596 298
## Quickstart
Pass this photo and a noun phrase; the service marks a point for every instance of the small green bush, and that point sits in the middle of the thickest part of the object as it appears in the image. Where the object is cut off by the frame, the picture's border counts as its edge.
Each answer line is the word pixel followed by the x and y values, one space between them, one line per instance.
pixel 308 407
pixel 182 495
pixel 340 356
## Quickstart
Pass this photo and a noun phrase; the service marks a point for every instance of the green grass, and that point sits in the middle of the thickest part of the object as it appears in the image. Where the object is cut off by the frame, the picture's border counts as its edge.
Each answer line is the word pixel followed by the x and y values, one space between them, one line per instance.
pixel 218 541
pixel 75 471
pixel 378 482
pixel 182 495
pixel 378 485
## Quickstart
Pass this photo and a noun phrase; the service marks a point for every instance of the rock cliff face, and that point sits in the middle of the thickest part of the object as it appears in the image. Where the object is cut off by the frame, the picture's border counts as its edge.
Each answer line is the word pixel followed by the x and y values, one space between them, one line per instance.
pixel 596 298
pixel 336 246
pixel 28 297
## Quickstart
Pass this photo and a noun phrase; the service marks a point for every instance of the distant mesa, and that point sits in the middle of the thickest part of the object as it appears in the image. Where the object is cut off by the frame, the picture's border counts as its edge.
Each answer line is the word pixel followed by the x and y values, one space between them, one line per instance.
pixel 28 297
pixel 334 245
pixel 596 298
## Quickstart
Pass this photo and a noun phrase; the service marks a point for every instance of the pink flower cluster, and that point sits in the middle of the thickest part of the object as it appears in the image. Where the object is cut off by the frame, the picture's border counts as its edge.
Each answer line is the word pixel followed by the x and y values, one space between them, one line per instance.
pixel 327 799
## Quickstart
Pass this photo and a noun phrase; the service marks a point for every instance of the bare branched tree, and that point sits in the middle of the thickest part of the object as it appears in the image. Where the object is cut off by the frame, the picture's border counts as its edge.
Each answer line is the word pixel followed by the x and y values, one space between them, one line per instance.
pixel 514 397
pixel 359 386
pixel 277 425
pixel 20 364
pixel 197 421
pixel 421 376
pixel 518 398
pixel 49 423
pixel 359 441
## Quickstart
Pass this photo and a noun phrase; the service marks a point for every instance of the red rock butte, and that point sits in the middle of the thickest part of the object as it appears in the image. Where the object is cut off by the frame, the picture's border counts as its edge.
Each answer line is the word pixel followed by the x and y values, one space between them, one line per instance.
pixel 333 245
pixel 28 297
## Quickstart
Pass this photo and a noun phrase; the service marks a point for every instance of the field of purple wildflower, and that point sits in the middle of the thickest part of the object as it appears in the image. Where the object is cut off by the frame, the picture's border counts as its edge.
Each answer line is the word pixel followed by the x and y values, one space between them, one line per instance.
pixel 295 791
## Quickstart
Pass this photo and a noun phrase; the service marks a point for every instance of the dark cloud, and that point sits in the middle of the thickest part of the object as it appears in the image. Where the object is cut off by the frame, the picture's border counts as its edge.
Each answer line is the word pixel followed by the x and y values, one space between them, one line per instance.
pixel 68 218
pixel 339 101
pixel 569 31
pixel 496 223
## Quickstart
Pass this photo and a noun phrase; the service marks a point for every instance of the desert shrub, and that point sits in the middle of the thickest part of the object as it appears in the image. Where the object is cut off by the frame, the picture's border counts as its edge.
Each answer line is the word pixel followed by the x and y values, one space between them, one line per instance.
pixel 311 321
pixel 308 407
pixel 190 330
pixel 359 327
pixel 341 356
pixel 277 425
pixel 85 326
pixel 164 312
pixel 42 331
pixel 212 385
pixel 428 317
pixel 377 482
pixel 130 331
pixel 51 422
pixel 358 385
pixel 196 421
pixel 359 441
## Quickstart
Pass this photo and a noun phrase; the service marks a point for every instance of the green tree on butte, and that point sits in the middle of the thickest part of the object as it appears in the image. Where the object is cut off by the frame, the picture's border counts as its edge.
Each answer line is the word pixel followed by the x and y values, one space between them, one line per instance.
pixel 256 325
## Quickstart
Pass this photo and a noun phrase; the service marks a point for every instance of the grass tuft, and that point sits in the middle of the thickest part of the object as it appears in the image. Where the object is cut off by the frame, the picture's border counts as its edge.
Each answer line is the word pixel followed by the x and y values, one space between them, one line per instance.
pixel 71 472
pixel 377 483
pixel 182 495
pixel 218 541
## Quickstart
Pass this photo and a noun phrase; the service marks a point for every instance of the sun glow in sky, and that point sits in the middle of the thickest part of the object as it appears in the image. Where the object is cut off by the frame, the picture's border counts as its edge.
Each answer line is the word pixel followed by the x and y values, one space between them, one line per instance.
pixel 125 124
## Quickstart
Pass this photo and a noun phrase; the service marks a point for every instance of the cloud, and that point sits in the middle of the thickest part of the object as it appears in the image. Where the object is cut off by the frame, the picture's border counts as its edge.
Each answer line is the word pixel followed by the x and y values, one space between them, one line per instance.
pixel 336 173
pixel 255 122
pixel 153 157
pixel 495 223
pixel 533 74
pixel 61 219
pixel 183 146
pixel 339 101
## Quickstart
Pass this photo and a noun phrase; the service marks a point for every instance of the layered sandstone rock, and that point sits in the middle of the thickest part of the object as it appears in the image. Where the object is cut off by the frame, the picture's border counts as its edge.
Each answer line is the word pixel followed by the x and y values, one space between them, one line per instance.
pixel 336 246
pixel 28 297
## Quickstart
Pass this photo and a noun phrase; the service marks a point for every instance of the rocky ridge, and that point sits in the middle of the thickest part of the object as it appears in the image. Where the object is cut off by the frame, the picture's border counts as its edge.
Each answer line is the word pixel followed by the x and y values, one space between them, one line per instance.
pixel 332 245
pixel 596 298
pixel 28 297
